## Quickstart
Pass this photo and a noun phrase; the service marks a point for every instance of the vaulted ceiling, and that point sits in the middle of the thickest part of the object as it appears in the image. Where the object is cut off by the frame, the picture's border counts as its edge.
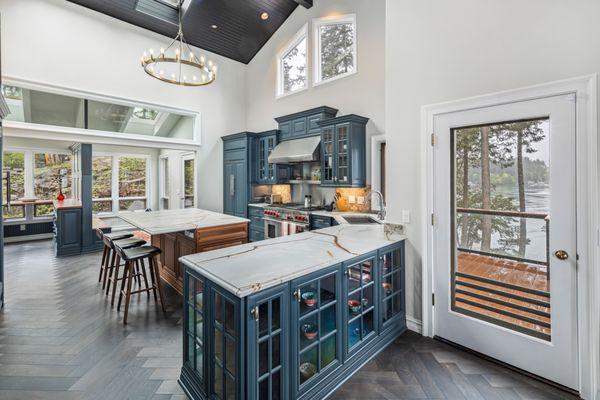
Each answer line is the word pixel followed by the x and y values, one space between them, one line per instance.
pixel 231 28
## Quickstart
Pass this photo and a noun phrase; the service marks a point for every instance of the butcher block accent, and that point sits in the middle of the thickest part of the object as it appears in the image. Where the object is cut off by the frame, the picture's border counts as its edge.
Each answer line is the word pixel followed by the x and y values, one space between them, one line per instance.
pixel 179 244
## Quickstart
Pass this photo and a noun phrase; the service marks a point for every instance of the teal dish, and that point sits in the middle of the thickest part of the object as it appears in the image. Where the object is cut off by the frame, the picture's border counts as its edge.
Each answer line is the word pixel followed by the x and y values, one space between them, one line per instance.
pixel 309 298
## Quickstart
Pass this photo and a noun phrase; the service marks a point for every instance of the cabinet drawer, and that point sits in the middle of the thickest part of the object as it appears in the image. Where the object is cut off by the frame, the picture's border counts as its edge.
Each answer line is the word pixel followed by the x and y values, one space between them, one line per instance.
pixel 235 144
pixel 255 211
pixel 257 222
pixel 256 235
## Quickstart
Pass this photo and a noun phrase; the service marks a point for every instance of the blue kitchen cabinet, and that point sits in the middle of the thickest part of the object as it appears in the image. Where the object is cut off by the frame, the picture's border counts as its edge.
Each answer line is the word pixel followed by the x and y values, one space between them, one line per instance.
pixel 303 123
pixel 238 151
pixel 268 344
pixel 343 151
pixel 67 231
pixel 269 173
pixel 299 340
pixel 392 286
pixel 316 329
pixel 257 224
pixel 360 299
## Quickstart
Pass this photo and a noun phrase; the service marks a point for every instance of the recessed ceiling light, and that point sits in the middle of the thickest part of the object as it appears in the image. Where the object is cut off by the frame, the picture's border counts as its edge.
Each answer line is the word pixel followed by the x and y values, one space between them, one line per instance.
pixel 214 26
pixel 264 16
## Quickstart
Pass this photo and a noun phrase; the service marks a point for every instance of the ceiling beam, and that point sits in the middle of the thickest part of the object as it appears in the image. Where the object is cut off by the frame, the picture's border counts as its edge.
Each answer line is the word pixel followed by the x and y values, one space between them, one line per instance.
pixel 305 3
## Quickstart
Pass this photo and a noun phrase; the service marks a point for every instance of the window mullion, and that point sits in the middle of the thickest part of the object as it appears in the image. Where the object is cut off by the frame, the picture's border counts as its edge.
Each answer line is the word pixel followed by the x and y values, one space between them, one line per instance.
pixel 115 184
pixel 29 180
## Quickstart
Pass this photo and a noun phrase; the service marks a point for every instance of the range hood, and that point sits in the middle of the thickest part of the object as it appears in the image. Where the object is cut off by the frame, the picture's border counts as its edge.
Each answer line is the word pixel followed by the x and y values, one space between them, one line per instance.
pixel 296 151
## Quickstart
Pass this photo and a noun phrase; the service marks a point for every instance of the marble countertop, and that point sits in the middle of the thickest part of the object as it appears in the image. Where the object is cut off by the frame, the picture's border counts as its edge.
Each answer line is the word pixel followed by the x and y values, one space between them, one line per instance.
pixel 168 221
pixel 253 267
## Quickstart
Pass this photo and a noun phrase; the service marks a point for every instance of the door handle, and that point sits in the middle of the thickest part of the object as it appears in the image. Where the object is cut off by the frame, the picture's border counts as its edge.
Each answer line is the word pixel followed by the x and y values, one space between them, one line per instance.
pixel 232 185
pixel 255 313
pixel 298 295
pixel 561 254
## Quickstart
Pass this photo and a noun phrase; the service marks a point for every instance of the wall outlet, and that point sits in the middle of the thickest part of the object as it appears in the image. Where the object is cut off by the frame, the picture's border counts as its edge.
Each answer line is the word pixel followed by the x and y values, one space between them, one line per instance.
pixel 406 216
pixel 351 199
pixel 360 200
pixel 22 227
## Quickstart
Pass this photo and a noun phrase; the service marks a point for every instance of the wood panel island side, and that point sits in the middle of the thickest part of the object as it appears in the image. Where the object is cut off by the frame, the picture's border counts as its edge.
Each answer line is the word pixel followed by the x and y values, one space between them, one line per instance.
pixel 187 231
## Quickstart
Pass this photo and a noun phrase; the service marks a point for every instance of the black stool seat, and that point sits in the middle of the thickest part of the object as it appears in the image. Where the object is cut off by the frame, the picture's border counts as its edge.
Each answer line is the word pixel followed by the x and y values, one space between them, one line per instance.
pixel 128 243
pixel 136 253
pixel 109 237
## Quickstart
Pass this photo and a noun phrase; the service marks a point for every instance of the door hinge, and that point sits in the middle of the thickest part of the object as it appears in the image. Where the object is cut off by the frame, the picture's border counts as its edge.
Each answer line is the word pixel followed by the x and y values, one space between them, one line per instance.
pixel 433 139
pixel 433 299
pixel 432 219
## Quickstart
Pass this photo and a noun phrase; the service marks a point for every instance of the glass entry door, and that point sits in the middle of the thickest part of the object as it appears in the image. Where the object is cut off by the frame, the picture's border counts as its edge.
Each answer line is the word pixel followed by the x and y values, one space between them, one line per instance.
pixel 504 234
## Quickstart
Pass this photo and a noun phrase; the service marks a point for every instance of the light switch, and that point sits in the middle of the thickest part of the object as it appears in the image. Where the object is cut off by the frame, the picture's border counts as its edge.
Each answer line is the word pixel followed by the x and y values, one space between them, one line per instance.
pixel 351 199
pixel 360 200
pixel 406 216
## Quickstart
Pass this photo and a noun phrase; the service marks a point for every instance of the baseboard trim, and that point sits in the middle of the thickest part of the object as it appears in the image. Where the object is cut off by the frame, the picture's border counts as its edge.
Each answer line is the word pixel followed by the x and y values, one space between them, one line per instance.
pixel 28 238
pixel 414 324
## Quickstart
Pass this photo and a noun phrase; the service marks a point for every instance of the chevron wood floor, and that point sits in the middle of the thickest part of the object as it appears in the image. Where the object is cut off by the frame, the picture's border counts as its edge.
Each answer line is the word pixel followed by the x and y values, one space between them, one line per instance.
pixel 59 339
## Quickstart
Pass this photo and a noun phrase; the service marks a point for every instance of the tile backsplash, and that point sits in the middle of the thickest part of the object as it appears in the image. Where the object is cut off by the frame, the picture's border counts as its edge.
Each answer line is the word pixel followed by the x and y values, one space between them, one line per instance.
pixel 349 199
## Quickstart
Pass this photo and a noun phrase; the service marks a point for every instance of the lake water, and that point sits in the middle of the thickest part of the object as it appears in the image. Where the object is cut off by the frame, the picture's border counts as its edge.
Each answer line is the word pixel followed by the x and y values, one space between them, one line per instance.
pixel 537 199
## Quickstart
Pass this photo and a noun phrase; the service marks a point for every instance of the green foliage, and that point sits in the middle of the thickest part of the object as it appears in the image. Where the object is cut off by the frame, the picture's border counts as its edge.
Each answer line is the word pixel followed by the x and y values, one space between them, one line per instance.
pixel 337 43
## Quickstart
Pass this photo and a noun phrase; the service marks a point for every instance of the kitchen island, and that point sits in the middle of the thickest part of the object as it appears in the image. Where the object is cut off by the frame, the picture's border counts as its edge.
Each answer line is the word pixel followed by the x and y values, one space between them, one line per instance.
pixel 291 317
pixel 186 231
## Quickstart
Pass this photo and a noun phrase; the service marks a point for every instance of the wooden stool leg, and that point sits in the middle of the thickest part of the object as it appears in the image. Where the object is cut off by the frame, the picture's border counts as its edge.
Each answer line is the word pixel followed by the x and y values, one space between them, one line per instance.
pixel 154 265
pixel 111 270
pixel 124 280
pixel 108 266
pixel 115 279
pixel 102 266
pixel 143 269
pixel 128 294
pixel 153 281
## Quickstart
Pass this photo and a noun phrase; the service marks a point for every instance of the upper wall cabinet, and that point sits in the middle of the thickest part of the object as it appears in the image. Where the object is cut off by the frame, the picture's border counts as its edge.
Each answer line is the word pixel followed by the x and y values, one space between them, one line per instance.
pixel 304 123
pixel 267 173
pixel 343 151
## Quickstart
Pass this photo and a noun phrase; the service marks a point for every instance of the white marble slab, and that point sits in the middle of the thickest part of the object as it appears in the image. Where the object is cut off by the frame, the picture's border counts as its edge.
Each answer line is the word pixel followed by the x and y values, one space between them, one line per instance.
pixel 168 221
pixel 252 267
pixel 339 215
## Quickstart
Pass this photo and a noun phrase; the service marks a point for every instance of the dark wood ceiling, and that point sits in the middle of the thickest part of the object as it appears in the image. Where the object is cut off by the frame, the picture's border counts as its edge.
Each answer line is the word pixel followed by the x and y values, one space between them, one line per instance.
pixel 240 31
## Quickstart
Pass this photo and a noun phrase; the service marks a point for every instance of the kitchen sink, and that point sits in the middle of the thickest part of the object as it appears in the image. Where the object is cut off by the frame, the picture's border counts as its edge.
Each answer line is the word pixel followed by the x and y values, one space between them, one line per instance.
pixel 360 219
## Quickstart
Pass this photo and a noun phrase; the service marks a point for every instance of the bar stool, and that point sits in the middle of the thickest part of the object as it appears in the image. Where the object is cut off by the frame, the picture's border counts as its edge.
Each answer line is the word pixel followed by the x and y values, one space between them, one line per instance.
pixel 133 256
pixel 106 263
pixel 113 274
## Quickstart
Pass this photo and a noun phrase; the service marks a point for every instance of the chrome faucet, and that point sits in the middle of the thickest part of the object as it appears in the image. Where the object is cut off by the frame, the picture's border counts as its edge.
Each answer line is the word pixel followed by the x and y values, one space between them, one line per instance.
pixel 382 212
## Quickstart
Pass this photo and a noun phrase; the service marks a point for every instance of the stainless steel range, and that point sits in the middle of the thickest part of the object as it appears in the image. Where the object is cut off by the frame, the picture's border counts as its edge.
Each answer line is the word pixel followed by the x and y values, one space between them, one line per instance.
pixel 288 219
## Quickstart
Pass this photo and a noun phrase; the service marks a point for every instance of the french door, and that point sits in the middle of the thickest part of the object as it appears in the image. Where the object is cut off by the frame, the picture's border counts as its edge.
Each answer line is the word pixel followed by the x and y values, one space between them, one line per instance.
pixel 504 237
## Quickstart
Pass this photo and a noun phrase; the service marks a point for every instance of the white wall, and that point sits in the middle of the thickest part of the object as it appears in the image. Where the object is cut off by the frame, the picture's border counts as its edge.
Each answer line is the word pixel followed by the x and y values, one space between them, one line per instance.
pixel 361 93
pixel 59 43
pixel 445 50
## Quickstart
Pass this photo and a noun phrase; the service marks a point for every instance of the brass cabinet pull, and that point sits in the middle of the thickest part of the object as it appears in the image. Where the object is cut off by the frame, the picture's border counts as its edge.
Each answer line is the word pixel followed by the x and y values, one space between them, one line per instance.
pixel 298 295
pixel 255 313
pixel 561 254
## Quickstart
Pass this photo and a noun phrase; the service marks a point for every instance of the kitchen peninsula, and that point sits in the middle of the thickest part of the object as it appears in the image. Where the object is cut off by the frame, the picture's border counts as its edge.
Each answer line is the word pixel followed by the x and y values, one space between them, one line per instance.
pixel 187 231
pixel 291 317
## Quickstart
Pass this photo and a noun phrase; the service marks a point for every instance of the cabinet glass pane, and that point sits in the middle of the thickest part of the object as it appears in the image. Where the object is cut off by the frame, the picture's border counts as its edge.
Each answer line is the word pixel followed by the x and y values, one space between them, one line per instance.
pixel 263 357
pixel 218 346
pixel 309 331
pixel 354 333
pixel 308 364
pixel 328 154
pixel 342 151
pixel 218 308
pixel 229 318
pixel 229 388
pixel 275 351
pixel 276 386
pixel 387 310
pixel 328 351
pixel 199 326
pixel 275 314
pixel 309 299
pixel 361 297
pixel 191 322
pixel 263 319
pixel 190 350
pixel 327 290
pixel 328 320
pixel 199 359
pixel 263 389
pixel 230 354
pixel 367 322
pixel 218 384
pixel 198 294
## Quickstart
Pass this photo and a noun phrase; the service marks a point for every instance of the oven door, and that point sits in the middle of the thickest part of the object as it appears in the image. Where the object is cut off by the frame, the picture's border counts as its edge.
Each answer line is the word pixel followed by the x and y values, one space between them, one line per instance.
pixel 272 228
pixel 294 227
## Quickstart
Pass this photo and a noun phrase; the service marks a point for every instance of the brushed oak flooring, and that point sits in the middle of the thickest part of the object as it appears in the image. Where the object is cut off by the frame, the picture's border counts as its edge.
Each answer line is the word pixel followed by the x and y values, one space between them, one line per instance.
pixel 60 339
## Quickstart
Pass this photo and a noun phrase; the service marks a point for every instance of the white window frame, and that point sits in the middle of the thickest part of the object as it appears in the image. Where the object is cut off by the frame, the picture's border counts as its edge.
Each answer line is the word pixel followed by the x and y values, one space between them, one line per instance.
pixel 317 23
pixel 164 191
pixel 29 180
pixel 302 34
pixel 29 130
pixel 115 198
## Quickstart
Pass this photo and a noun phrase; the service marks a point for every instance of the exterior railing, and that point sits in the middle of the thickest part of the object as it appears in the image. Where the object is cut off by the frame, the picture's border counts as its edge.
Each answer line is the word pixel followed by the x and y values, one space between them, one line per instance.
pixel 512 214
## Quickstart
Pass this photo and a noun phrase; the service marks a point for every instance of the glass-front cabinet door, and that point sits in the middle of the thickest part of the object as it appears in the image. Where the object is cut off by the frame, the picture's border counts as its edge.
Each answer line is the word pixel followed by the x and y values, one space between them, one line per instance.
pixel 342 169
pixel 224 374
pixel 262 161
pixel 268 344
pixel 271 142
pixel 194 355
pixel 392 284
pixel 316 328
pixel 360 295
pixel 327 162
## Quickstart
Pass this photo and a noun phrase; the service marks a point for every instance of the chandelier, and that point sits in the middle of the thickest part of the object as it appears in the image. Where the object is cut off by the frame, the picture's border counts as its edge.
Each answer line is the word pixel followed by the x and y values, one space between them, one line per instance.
pixel 177 64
